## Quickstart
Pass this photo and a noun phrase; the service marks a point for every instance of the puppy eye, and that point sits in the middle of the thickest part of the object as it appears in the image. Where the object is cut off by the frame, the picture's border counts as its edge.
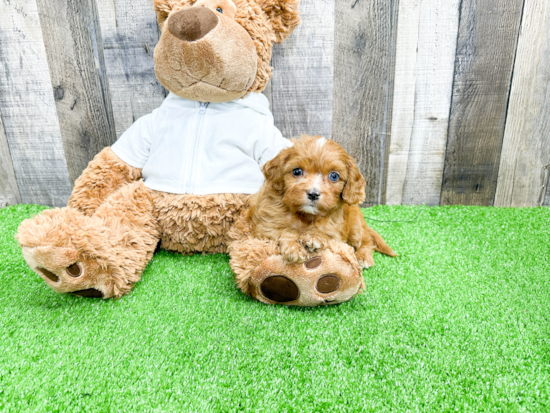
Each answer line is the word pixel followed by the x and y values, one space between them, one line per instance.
pixel 297 172
pixel 219 10
pixel 334 176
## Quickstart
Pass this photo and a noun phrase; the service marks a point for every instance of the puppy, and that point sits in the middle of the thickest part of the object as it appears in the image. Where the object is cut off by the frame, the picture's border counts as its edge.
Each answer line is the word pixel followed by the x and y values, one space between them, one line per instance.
pixel 311 195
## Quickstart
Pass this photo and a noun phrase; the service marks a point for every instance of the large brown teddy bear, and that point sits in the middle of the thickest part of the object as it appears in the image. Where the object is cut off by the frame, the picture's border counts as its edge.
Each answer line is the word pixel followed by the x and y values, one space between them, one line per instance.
pixel 182 175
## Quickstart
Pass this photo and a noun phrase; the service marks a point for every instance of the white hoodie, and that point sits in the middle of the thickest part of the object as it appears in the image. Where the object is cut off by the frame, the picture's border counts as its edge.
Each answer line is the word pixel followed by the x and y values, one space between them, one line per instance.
pixel 189 147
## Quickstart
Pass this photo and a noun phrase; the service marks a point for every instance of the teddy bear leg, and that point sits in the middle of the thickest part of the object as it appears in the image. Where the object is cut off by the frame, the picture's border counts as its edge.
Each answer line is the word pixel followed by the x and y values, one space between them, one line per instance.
pixel 96 256
pixel 329 277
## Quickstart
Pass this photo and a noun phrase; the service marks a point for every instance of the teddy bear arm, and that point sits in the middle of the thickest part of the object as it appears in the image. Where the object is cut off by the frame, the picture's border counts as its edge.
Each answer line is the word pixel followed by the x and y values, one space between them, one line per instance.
pixel 105 174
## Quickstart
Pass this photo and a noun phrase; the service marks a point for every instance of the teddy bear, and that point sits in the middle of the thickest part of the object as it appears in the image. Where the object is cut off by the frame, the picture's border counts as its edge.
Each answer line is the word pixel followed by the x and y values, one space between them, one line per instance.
pixel 180 176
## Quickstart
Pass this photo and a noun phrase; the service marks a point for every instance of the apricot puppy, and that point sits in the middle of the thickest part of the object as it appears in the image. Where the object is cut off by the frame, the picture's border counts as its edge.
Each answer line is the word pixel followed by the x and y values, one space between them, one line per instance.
pixel 311 196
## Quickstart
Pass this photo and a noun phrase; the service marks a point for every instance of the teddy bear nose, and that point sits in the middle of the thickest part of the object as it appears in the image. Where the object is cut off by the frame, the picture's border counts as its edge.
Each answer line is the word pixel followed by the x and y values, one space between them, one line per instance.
pixel 193 23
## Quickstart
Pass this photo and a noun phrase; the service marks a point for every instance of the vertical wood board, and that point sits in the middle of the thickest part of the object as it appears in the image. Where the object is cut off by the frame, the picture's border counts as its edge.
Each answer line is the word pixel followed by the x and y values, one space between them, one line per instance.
pixel 82 100
pixel 426 39
pixel 9 192
pixel 130 33
pixel 303 73
pixel 484 62
pixel 525 160
pixel 28 108
pixel 364 46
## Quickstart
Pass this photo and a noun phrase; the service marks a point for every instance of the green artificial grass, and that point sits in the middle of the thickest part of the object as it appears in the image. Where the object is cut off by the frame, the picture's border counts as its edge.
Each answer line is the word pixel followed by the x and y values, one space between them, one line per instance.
pixel 459 321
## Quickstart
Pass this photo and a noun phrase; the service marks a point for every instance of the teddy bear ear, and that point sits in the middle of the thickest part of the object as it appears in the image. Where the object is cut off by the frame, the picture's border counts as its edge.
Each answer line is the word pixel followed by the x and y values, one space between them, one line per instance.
pixel 283 16
pixel 162 8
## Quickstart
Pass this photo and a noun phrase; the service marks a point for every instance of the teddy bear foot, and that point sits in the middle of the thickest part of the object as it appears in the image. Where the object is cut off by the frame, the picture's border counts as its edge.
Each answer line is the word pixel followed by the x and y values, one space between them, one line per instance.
pixel 86 256
pixel 328 278
pixel 65 271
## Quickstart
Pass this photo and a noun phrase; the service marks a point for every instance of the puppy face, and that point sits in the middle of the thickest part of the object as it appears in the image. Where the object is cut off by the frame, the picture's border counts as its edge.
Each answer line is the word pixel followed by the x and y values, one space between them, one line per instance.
pixel 315 176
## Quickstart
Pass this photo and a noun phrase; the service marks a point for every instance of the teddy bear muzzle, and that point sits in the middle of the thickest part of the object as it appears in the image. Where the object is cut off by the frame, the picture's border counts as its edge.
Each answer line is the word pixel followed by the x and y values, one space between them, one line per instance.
pixel 206 56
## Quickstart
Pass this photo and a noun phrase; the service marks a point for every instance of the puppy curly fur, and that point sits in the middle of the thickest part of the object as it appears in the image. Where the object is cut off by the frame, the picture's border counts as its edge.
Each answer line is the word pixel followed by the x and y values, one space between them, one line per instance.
pixel 304 211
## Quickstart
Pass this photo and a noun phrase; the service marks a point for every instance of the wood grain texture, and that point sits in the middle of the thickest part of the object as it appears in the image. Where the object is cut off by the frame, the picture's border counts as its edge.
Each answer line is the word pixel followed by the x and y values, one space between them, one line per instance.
pixel 130 33
pixel 364 46
pixel 426 40
pixel 303 73
pixel 9 192
pixel 525 160
pixel 486 48
pixel 75 58
pixel 28 108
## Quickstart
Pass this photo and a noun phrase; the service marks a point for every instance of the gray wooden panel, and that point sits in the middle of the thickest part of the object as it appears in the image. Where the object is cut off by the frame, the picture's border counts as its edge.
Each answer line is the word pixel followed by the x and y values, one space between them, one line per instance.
pixel 364 47
pixel 426 42
pixel 483 69
pixel 546 201
pixel 28 108
pixel 75 57
pixel 525 159
pixel 303 73
pixel 9 192
pixel 130 33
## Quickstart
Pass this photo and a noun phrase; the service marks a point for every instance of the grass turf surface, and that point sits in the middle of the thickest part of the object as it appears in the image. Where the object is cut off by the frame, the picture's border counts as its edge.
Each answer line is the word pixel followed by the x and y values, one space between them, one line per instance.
pixel 460 321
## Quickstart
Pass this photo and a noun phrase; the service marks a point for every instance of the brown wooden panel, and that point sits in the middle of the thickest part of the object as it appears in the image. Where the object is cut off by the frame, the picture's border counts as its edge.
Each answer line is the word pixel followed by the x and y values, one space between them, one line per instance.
pixel 364 47
pixel 9 192
pixel 28 108
pixel 303 73
pixel 525 160
pixel 485 53
pixel 75 57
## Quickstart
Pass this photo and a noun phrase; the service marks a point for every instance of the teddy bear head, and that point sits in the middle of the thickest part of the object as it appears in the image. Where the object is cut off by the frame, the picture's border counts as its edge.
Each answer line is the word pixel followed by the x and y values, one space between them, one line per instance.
pixel 219 50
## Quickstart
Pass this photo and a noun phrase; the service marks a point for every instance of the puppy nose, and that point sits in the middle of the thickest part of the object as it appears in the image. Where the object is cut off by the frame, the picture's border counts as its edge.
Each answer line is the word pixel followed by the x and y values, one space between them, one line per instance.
pixel 313 194
pixel 193 23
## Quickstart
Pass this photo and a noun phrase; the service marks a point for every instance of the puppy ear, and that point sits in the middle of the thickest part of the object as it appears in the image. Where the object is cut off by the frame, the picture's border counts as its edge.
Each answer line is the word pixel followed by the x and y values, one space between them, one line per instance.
pixel 283 16
pixel 273 171
pixel 354 189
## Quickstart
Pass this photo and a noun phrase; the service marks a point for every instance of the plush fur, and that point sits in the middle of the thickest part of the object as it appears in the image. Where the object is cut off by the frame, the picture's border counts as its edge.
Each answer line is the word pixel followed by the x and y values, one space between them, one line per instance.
pixel 231 60
pixel 99 245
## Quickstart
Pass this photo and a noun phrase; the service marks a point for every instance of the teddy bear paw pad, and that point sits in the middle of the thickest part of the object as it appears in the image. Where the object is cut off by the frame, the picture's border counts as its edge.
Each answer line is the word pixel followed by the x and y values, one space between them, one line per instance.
pixel 328 284
pixel 280 289
pixel 313 263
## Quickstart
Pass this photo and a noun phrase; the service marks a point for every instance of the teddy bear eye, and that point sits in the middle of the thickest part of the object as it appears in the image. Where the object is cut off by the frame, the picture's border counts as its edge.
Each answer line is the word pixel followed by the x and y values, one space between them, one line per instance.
pixel 334 176
pixel 297 172
pixel 219 10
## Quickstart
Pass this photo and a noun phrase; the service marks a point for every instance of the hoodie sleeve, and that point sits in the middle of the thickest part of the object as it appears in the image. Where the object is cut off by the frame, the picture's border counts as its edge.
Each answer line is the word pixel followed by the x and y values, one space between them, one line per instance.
pixel 275 143
pixel 134 145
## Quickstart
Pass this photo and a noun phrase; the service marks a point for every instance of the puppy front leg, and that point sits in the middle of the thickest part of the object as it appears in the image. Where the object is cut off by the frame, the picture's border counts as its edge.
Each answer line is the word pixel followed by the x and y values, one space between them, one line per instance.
pixel 291 249
pixel 314 240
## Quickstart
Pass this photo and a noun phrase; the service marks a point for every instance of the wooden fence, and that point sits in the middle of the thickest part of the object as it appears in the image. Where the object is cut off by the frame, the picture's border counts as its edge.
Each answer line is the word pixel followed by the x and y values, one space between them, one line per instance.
pixel 441 102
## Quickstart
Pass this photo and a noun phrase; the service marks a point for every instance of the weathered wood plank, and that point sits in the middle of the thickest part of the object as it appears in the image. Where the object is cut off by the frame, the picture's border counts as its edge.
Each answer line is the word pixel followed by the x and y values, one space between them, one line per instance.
pixel 303 73
pixel 525 160
pixel 130 33
pixel 426 40
pixel 9 192
pixel 485 56
pixel 28 108
pixel 81 95
pixel 364 46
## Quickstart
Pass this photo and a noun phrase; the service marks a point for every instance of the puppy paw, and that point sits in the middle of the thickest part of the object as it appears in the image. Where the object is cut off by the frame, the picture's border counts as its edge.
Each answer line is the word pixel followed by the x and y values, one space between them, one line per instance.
pixel 293 251
pixel 314 241
pixel 365 258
